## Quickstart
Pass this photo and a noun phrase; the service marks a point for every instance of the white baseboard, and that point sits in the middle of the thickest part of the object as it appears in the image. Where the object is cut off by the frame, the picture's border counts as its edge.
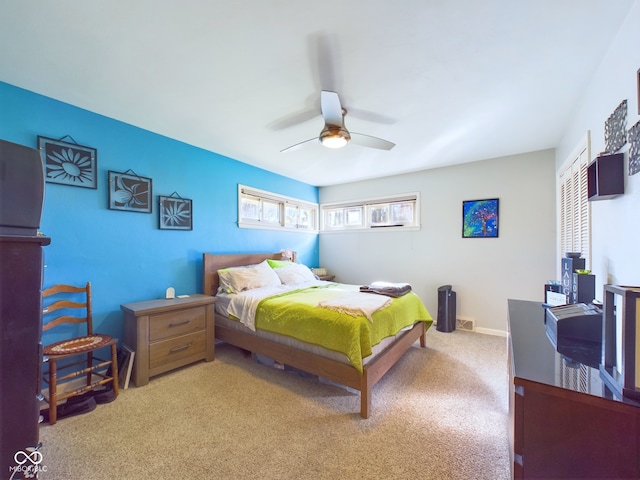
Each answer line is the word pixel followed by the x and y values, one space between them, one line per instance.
pixel 491 331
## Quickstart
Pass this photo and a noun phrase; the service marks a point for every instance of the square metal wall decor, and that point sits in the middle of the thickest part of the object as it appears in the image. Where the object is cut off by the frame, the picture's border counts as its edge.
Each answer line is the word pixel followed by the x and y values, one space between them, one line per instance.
pixel 175 213
pixel 129 191
pixel 615 129
pixel 634 149
pixel 68 163
pixel 480 218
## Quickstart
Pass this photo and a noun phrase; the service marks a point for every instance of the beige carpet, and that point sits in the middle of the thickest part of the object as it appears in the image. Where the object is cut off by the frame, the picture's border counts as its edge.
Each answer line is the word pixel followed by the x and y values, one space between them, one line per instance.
pixel 440 413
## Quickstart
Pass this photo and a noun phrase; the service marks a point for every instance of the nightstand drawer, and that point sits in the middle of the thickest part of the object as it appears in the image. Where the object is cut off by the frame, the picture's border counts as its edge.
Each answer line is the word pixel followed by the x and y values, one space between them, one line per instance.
pixel 172 324
pixel 176 349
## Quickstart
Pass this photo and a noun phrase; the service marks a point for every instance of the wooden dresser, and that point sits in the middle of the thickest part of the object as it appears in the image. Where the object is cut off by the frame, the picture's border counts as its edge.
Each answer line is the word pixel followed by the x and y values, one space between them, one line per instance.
pixel 564 420
pixel 167 334
pixel 20 349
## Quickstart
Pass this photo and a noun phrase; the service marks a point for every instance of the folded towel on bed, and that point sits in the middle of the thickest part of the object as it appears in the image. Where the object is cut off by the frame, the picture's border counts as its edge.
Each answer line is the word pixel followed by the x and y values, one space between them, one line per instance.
pixel 386 288
pixel 356 303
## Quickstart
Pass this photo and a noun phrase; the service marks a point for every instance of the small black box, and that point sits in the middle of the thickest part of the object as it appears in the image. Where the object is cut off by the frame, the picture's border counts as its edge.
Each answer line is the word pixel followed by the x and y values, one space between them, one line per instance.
pixel 584 288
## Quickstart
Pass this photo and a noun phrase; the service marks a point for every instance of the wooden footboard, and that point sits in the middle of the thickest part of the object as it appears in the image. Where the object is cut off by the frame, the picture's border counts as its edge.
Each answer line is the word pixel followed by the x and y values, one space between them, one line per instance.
pixel 330 369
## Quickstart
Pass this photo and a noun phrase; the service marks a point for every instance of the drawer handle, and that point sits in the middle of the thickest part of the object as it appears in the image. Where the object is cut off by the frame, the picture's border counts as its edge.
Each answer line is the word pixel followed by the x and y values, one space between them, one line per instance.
pixel 179 349
pixel 179 323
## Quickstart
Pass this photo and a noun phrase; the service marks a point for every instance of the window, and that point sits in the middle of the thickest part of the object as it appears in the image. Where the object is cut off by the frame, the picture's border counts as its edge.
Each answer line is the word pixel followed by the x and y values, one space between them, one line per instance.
pixel 261 209
pixel 399 211
pixel 573 205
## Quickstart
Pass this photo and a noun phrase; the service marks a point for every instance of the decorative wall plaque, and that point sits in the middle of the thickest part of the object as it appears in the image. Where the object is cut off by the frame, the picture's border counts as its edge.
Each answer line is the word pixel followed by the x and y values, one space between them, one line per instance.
pixel 634 149
pixel 68 163
pixel 129 191
pixel 175 212
pixel 615 129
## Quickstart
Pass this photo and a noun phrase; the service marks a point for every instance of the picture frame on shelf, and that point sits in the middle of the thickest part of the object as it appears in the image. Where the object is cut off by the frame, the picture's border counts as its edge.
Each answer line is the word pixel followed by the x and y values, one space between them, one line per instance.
pixel 480 218
pixel 175 212
pixel 68 163
pixel 129 192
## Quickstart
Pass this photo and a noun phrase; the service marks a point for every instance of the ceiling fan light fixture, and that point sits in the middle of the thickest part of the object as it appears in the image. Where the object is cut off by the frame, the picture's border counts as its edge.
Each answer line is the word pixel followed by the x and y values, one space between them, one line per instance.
pixel 334 137
pixel 334 141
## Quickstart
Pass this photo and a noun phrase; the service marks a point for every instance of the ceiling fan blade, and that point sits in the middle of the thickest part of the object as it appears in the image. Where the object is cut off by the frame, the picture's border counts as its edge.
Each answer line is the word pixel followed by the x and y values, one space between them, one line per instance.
pixel 331 108
pixel 371 142
pixel 293 119
pixel 324 53
pixel 370 116
pixel 299 145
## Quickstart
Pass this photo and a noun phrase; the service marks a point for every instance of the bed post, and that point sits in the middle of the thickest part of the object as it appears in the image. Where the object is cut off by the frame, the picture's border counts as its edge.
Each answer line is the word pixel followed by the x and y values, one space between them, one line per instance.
pixel 365 395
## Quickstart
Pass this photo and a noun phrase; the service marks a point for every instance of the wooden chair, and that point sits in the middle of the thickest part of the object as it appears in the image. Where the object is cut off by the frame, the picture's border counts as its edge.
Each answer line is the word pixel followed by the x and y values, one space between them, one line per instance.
pixel 75 305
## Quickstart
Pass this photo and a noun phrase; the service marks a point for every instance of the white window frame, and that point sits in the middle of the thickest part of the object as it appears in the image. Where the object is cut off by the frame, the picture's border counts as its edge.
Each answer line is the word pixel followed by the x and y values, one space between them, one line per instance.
pixel 364 209
pixel 277 216
pixel 573 206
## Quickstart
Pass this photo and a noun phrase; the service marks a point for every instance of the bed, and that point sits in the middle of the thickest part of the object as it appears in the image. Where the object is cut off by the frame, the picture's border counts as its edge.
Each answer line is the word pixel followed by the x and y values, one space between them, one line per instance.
pixel 310 356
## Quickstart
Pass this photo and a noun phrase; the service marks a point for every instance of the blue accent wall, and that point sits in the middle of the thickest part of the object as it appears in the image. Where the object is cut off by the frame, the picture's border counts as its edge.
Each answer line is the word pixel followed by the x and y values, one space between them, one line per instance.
pixel 125 255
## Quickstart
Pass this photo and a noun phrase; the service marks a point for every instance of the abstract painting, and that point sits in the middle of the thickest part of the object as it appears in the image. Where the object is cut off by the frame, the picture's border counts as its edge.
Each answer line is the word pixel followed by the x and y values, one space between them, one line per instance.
pixel 175 213
pixel 68 163
pixel 480 218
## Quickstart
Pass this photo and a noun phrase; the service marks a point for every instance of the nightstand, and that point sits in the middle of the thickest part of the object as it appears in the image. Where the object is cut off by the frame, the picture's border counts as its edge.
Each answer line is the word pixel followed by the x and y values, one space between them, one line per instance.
pixel 167 334
pixel 327 278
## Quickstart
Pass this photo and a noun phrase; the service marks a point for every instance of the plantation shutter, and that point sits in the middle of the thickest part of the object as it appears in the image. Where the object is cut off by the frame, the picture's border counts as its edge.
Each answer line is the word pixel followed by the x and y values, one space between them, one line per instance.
pixel 575 225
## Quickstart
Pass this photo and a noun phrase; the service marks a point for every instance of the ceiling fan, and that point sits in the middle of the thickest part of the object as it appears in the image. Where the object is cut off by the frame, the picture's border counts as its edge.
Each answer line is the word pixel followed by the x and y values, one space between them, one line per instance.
pixel 335 134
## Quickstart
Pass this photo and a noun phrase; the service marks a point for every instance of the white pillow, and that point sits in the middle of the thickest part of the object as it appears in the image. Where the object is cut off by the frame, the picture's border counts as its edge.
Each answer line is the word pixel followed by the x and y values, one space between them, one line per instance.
pixel 294 273
pixel 239 279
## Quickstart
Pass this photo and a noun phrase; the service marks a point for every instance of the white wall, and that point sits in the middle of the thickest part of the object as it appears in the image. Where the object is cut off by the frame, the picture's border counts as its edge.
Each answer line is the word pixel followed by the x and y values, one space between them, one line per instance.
pixel 484 272
pixel 615 227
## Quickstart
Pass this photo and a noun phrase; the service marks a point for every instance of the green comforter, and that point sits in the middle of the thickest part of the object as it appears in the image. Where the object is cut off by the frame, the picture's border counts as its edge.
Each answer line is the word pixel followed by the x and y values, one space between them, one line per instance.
pixel 296 314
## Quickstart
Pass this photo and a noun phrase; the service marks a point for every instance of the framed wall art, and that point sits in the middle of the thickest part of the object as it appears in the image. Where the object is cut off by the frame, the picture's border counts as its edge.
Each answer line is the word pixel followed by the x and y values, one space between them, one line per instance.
pixel 68 163
pixel 129 191
pixel 480 218
pixel 175 212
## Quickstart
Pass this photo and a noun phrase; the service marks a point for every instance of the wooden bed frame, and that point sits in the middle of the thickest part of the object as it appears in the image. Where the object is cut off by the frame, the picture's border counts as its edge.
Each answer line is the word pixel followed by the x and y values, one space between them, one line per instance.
pixel 333 370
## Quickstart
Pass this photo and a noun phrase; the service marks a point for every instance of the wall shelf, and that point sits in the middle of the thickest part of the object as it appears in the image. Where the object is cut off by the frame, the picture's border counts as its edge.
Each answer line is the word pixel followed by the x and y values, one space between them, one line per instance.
pixel 605 177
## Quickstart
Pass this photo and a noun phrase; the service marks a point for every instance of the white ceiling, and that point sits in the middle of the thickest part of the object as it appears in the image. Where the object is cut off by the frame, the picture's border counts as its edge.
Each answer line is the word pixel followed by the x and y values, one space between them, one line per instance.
pixel 448 81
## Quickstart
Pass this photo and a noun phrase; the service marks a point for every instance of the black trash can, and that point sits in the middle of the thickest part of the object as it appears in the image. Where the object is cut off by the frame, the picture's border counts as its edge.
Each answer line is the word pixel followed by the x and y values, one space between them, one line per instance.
pixel 446 309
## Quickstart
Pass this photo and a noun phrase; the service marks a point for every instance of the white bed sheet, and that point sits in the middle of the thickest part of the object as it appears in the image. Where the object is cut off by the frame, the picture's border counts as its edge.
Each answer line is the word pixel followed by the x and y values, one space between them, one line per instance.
pixel 243 305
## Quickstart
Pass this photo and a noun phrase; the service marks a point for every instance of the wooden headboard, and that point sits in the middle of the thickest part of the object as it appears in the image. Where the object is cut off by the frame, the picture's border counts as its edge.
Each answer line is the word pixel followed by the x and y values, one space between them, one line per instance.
pixel 212 263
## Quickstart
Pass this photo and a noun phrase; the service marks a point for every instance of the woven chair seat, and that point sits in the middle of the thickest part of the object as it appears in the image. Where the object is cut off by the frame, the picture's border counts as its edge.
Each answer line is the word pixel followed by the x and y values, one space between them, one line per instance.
pixel 77 345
